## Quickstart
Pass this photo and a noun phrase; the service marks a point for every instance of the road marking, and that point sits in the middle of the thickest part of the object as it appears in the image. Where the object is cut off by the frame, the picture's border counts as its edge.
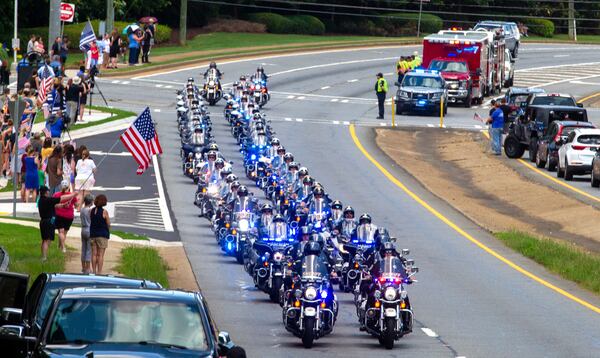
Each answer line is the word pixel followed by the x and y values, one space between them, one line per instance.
pixel 325 87
pixel 589 97
pixel 116 81
pixel 159 85
pixel 478 126
pixel 301 97
pixel 336 122
pixel 429 332
pixel 116 154
pixel 321 96
pixel 334 100
pixel 156 109
pixel 168 86
pixel 430 125
pixel 124 188
pixel 298 119
pixel 289 97
pixel 162 202
pixel 125 82
pixel 463 233
pixel 346 123
pixel 354 80
pixel 383 124
pixel 345 101
pixel 388 73
pixel 287 119
pixel 585 83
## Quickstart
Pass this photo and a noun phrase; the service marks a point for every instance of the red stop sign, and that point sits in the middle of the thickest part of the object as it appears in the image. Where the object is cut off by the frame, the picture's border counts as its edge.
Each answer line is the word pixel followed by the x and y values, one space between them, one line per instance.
pixel 67 12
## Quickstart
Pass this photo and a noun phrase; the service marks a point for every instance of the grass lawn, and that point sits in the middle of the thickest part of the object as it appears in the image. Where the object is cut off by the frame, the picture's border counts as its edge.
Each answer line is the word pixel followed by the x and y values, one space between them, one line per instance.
pixel 565 259
pixel 117 114
pixel 23 246
pixel 143 263
pixel 129 236
pixel 9 187
pixel 563 38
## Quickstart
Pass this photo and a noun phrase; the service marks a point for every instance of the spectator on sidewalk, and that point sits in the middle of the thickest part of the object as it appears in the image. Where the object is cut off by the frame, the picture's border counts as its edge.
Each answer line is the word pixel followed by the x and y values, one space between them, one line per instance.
pixel 146 41
pixel 73 96
pixel 134 47
pixel 55 49
pixel 99 233
pixel 22 146
pixel 64 215
pixel 64 52
pixel 56 65
pixel 85 89
pixel 55 126
pixel 69 165
pixel 32 164
pixel 115 45
pixel 38 45
pixel 94 55
pixel 30 44
pixel 47 148
pixel 46 206
pixel 86 245
pixel 8 141
pixel 36 142
pixel 496 122
pixel 85 170
pixel 54 170
pixel 105 50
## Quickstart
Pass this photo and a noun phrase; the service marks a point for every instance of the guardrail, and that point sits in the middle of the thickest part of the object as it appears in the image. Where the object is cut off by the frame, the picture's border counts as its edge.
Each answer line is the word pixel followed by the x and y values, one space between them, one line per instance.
pixel 3 259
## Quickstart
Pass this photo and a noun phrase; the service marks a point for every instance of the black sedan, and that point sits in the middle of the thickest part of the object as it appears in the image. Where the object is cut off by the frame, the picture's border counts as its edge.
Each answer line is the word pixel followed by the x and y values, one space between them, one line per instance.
pixel 126 322
pixel 551 141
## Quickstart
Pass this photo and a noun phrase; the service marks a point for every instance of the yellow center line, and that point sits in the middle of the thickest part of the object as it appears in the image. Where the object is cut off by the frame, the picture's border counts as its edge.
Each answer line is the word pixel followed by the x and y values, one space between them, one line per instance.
pixel 463 233
pixel 589 97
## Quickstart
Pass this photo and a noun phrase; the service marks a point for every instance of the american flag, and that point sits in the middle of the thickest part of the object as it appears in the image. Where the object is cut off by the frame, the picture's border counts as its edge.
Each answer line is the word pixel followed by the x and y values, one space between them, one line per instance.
pixel 141 140
pixel 44 88
pixel 87 37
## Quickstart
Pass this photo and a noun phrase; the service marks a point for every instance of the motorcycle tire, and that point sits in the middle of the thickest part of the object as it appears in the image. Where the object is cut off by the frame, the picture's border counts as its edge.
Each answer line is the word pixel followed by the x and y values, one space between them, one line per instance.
pixel 239 256
pixel 276 286
pixel 308 336
pixel 389 334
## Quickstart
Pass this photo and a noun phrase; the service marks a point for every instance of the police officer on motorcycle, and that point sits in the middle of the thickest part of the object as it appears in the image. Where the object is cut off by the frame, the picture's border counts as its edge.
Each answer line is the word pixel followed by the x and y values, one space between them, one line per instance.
pixel 213 68
pixel 347 225
pixel 262 224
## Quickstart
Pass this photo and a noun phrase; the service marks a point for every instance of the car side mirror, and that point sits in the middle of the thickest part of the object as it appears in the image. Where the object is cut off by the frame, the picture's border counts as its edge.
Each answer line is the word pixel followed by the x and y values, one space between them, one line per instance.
pixel 225 340
pixel 11 315
pixel 405 252
pixel 580 105
pixel 12 331
pixel 397 84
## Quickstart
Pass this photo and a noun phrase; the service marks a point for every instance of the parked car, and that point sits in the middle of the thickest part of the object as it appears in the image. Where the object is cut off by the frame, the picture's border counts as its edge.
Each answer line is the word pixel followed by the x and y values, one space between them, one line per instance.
pixel 550 99
pixel 529 127
pixel 126 322
pixel 549 144
pixel 421 91
pixel 28 309
pixel 596 170
pixel 517 95
pixel 510 30
pixel 576 154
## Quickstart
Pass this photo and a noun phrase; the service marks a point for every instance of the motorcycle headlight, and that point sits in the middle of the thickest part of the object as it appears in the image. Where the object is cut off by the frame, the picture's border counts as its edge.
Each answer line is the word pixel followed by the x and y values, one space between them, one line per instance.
pixel 403 294
pixel 213 189
pixel 211 83
pixel 310 293
pixel 377 294
pixel 243 225
pixel 278 257
pixel 390 294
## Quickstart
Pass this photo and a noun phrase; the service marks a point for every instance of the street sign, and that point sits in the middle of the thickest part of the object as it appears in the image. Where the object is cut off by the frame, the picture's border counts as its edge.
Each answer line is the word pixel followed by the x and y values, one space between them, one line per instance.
pixel 67 12
pixel 16 113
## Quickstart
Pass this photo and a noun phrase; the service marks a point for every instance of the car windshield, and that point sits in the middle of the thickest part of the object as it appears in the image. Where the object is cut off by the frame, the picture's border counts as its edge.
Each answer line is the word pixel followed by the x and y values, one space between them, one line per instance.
pixel 517 99
pixel 567 130
pixel 121 320
pixel 422 81
pixel 448 66
pixel 488 26
pixel 568 116
pixel 554 101
pixel 593 139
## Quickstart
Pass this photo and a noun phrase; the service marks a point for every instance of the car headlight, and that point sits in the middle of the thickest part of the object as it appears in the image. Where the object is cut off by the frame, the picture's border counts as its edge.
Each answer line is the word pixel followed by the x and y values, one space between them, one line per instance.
pixel 390 294
pixel 462 84
pixel 244 225
pixel 437 96
pixel 404 94
pixel 310 293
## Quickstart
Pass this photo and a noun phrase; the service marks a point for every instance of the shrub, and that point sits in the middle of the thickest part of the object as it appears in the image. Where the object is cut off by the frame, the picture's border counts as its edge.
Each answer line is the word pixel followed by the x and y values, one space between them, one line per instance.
pixel 361 27
pixel 540 27
pixel 307 24
pixel 275 23
pixel 230 25
pixel 406 23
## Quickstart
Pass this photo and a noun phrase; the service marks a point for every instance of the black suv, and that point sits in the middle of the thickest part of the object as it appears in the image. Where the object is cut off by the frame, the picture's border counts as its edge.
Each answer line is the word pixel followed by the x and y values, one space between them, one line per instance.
pixel 529 127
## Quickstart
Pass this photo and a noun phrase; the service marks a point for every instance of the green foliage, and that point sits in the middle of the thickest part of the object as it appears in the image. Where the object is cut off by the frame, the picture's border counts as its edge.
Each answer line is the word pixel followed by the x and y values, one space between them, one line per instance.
pixel 308 25
pixel 565 259
pixel 406 23
pixel 73 32
pixel 143 263
pixel 276 24
pixel 542 27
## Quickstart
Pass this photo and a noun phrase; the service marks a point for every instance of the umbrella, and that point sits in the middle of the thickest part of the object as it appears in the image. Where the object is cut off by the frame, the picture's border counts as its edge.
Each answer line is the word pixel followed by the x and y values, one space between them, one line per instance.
pixel 147 19
pixel 130 28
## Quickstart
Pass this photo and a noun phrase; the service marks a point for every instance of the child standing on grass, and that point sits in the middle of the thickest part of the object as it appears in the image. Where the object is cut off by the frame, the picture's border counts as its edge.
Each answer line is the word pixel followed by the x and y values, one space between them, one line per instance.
pixel 86 245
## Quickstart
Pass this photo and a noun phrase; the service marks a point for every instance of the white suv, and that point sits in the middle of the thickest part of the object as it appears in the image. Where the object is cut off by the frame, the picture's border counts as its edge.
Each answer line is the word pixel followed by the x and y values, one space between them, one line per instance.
pixel 576 154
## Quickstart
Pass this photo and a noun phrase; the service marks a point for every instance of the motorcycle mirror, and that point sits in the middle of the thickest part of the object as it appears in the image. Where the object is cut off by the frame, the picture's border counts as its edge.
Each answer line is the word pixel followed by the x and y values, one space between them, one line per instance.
pixel 410 262
pixel 405 252
pixel 415 269
pixel 231 162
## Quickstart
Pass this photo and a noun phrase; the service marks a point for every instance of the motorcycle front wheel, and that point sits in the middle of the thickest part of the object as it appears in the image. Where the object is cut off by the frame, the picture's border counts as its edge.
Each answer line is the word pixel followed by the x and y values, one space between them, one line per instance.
pixel 308 336
pixel 276 286
pixel 389 334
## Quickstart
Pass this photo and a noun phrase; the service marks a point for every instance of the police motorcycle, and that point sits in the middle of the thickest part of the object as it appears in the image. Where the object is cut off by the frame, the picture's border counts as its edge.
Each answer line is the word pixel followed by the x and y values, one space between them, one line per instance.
pixel 358 251
pixel 255 162
pixel 386 312
pixel 310 311
pixel 243 218
pixel 268 257
pixel 259 91
pixel 209 185
pixel 212 91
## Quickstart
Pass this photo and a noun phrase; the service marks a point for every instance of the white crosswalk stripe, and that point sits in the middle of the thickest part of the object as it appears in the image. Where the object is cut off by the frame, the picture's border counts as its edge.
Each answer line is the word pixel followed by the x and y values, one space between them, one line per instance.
pixel 143 214
pixel 551 75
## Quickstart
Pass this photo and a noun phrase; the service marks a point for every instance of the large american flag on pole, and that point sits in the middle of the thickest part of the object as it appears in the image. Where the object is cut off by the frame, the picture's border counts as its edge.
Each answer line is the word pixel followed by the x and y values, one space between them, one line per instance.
pixel 87 37
pixel 141 140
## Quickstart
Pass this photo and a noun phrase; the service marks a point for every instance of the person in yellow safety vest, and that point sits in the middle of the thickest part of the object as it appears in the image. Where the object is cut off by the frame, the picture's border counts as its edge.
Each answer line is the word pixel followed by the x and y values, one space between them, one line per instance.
pixel 381 88
pixel 417 61
pixel 401 68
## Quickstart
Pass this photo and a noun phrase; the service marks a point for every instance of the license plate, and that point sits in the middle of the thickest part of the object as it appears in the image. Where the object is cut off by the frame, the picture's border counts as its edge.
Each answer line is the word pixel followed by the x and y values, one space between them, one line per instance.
pixel 211 91
pixel 310 311
pixel 390 312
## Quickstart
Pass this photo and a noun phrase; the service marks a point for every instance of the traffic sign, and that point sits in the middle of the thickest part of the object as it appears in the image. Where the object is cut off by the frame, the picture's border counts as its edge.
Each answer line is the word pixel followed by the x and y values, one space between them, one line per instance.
pixel 67 12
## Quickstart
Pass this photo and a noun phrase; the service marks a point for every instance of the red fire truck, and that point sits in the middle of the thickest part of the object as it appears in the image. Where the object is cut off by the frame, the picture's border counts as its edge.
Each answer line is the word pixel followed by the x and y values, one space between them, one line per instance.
pixel 471 62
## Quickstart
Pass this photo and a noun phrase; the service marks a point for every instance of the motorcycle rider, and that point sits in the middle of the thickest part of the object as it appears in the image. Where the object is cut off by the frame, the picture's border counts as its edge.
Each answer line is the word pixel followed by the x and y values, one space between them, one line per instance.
pixel 305 191
pixel 292 174
pixel 215 174
pixel 212 68
pixel 347 225
pixel 365 231
pixel 302 173
pixel 261 226
pixel 260 74
pixel 278 160
pixel 275 144
pixel 336 217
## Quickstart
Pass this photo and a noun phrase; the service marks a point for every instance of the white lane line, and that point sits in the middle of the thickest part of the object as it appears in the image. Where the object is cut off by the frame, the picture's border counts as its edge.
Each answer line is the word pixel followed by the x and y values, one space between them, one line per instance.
pixel 388 74
pixel 325 87
pixel 288 119
pixel 558 66
pixel 159 85
pixel 478 126
pixel 168 86
pixel 334 100
pixel 162 202
pixel 124 188
pixel 336 122
pixel 116 154
pixel 125 82
pixel 561 55
pixel 429 332
pixel 354 80
pixel 290 97
pixel 383 124
pixel 156 109
pixel 585 83
pixel 346 123
pixel 160 81
pixel 301 97
pixel 430 125
pixel 321 96
pixel 345 101
pixel 298 119
pixel 116 81
pixel 567 80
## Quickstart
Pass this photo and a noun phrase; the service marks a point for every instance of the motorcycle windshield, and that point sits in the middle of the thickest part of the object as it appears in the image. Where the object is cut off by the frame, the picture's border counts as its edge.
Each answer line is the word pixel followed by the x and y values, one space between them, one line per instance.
pixel 243 205
pixel 197 139
pixel 261 140
pixel 278 231
pixel 313 268
pixel 365 233
pixel 391 267
pixel 336 214
pixel 348 227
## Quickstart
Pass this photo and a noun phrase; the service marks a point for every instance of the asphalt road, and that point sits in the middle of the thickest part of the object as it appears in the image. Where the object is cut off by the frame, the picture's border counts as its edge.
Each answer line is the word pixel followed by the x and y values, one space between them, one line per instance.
pixel 477 305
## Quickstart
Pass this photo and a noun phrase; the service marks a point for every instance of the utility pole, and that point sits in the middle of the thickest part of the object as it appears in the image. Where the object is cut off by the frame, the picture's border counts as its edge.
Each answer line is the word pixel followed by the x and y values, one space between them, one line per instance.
pixel 110 16
pixel 183 23
pixel 571 21
pixel 15 45
pixel 54 22
pixel 419 22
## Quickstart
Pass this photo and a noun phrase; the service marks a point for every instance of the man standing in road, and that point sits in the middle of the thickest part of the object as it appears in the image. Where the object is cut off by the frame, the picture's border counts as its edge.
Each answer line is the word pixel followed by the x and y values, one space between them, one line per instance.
pixel 381 88
pixel 497 127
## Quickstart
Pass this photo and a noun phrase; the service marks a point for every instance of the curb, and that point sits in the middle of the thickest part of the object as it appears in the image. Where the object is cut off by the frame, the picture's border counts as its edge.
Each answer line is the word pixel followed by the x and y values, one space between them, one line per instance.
pixel 251 54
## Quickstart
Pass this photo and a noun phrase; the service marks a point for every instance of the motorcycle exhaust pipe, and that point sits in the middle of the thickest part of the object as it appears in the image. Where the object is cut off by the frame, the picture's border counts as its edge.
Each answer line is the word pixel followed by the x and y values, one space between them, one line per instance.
pixel 262 272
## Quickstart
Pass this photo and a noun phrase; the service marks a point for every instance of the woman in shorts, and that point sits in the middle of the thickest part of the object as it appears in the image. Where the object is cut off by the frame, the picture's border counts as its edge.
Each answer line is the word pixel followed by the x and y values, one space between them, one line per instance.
pixel 85 169
pixel 64 215
pixel 86 245
pixel 99 232
pixel 46 207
